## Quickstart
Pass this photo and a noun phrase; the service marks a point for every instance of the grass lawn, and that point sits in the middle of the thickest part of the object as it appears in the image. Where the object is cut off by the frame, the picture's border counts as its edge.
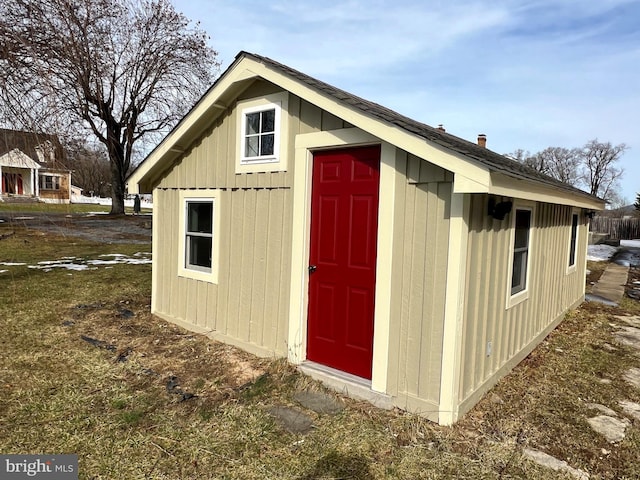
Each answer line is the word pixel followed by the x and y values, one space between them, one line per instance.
pixel 69 208
pixel 84 369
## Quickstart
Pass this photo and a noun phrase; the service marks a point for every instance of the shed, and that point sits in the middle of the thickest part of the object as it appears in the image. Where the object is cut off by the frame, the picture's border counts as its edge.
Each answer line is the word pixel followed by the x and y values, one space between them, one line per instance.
pixel 392 260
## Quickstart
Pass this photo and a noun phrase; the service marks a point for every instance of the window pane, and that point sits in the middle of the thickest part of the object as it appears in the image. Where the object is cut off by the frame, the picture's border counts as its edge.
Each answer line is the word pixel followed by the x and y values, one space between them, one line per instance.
pixel 268 121
pixel 519 274
pixel 199 251
pixel 523 222
pixel 266 147
pixel 574 235
pixel 251 147
pixel 199 217
pixel 253 123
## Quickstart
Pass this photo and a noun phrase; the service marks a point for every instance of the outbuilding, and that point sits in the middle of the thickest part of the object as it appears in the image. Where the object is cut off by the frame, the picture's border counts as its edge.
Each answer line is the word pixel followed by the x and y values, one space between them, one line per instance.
pixel 392 260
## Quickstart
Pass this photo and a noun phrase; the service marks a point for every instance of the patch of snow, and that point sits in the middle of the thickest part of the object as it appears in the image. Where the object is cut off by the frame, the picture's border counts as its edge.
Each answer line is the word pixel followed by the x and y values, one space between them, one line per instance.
pixel 81 264
pixel 47 267
pixel 1 220
pixel 4 271
pixel 600 253
pixel 12 264
pixel 630 243
pixel 23 218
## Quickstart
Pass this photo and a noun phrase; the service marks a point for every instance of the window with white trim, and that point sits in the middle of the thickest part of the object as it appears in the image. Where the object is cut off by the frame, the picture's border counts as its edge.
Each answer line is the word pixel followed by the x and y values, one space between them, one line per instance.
pixel 262 134
pixel 520 255
pixel 573 243
pixel 259 134
pixel 49 182
pixel 199 235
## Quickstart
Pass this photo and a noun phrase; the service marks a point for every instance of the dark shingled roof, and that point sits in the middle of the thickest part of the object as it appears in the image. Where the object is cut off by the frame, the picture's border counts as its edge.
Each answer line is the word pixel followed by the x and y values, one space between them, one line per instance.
pixel 492 160
pixel 27 142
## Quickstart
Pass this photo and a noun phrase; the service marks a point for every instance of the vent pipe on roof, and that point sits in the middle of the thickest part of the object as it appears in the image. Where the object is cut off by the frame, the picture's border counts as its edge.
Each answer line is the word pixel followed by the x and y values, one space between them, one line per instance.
pixel 482 140
pixel 441 128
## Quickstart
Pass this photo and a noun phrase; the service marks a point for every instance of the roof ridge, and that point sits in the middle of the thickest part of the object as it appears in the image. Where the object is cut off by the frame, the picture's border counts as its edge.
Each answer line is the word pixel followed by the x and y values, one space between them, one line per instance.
pixel 485 156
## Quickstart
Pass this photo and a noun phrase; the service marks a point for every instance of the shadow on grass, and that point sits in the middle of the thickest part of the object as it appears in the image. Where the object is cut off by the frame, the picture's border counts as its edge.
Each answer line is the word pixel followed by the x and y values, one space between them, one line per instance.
pixel 337 465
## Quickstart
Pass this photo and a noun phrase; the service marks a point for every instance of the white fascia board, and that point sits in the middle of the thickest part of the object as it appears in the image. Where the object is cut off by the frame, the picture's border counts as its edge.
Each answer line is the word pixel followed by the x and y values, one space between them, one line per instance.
pixel 518 188
pixel 209 107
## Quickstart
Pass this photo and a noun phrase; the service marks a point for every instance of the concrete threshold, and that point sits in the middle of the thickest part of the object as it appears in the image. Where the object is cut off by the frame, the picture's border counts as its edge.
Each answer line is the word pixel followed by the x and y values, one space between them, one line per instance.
pixel 349 385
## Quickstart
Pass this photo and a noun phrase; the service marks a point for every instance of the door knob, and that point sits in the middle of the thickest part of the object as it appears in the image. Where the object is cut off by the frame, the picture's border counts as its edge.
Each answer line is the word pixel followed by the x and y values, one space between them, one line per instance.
pixel 312 268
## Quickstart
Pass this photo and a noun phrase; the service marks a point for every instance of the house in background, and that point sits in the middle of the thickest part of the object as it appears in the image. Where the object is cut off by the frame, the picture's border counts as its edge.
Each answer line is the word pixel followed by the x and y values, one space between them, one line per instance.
pixel 32 166
pixel 390 259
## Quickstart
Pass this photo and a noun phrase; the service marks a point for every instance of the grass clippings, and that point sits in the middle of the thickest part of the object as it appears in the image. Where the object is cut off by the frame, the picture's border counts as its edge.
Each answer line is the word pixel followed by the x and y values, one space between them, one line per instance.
pixel 165 403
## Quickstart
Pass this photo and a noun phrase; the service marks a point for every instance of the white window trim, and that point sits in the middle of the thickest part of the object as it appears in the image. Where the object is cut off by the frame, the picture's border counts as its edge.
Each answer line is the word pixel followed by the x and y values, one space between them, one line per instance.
pixel 521 296
pixel 272 163
pixel 205 196
pixel 57 183
pixel 572 268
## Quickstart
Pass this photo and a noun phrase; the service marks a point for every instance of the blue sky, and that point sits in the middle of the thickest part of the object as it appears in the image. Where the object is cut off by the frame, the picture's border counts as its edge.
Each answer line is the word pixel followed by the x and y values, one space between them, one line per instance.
pixel 528 73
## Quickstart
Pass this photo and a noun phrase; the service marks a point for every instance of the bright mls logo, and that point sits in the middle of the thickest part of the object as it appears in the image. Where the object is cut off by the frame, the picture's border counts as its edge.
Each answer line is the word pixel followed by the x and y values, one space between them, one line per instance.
pixel 49 467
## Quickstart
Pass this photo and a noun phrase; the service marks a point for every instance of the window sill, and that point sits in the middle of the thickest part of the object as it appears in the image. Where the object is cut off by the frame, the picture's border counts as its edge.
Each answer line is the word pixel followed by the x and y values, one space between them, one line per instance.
pixel 517 298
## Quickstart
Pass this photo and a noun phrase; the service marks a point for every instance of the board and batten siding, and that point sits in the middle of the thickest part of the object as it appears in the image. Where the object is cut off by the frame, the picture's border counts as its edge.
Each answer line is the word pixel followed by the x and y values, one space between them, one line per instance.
pixel 495 337
pixel 249 306
pixel 421 237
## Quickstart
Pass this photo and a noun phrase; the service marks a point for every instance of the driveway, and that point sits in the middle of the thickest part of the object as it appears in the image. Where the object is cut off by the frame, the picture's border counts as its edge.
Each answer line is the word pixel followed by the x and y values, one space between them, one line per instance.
pixel 94 227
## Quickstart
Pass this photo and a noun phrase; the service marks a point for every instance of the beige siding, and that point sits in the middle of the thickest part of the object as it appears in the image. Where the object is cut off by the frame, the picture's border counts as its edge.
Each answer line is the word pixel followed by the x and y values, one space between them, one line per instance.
pixel 419 277
pixel 249 305
pixel 512 331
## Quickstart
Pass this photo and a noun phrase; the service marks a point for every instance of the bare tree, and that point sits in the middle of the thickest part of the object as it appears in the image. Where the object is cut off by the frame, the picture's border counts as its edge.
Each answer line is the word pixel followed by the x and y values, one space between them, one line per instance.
pixel 557 162
pixel 123 69
pixel 561 163
pixel 600 173
pixel 90 168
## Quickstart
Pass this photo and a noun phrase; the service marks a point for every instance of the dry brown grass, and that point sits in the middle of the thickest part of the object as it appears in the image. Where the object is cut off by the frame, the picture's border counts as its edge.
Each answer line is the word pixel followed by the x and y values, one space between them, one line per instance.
pixel 120 403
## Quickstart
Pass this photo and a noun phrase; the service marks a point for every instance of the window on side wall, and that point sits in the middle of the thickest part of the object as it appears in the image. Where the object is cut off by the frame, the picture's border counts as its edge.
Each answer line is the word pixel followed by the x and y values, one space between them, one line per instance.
pixel 573 243
pixel 199 220
pixel 520 255
pixel 49 182
pixel 262 134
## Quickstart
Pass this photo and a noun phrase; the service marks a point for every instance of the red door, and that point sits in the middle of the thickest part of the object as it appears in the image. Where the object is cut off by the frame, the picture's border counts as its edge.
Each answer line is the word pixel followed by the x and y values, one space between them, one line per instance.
pixel 342 262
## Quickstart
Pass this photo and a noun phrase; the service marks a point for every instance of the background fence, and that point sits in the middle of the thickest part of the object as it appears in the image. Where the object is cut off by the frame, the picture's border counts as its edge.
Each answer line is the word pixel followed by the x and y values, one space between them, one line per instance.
pixel 618 228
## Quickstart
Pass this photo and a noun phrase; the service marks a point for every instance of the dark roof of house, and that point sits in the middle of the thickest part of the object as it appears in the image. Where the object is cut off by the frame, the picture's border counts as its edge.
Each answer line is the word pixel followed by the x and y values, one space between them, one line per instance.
pixel 492 160
pixel 27 142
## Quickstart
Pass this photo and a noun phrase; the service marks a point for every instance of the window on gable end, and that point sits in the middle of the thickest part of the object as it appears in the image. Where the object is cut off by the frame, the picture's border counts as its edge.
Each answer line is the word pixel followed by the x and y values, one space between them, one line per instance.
pixel 262 134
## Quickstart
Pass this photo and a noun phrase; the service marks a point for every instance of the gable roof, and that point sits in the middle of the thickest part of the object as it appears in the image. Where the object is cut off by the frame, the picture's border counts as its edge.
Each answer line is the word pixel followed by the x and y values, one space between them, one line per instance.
pixel 18 159
pixel 30 143
pixel 476 169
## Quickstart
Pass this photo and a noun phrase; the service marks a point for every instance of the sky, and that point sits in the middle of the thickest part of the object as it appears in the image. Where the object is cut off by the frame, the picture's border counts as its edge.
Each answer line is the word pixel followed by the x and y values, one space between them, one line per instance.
pixel 529 74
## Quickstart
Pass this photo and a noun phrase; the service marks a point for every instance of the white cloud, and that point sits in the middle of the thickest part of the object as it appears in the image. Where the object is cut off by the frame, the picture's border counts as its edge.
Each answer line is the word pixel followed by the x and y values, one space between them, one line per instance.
pixel 529 73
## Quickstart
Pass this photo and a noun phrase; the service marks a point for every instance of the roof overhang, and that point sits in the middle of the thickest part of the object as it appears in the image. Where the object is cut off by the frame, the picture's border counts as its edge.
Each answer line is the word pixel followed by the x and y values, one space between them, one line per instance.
pixel 18 159
pixel 470 176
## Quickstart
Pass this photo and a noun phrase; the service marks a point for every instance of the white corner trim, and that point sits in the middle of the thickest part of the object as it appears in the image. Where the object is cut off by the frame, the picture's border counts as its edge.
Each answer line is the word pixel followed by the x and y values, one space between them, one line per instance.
pixel 453 310
pixel 155 242
pixel 382 313
pixel 297 333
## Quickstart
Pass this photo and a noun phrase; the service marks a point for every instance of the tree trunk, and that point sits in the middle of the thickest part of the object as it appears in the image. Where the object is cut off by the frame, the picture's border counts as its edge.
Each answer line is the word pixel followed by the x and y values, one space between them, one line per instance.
pixel 117 191
pixel 117 161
